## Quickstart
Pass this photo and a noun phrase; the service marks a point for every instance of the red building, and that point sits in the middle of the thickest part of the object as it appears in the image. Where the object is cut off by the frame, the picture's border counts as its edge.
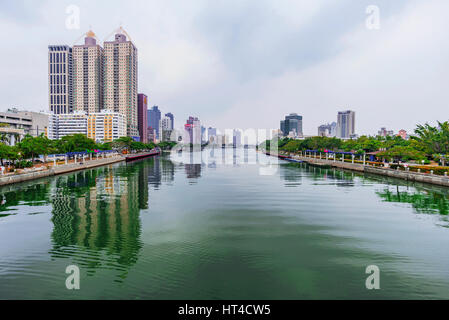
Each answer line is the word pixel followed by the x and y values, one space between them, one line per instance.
pixel 142 114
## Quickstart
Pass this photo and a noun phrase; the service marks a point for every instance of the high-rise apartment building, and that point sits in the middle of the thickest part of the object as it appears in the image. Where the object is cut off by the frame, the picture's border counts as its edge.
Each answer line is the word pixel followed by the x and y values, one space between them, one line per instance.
pixel 87 79
pixel 120 80
pixel 60 94
pixel 142 117
pixel 88 75
pixel 345 124
pixel 154 116
pixel 292 125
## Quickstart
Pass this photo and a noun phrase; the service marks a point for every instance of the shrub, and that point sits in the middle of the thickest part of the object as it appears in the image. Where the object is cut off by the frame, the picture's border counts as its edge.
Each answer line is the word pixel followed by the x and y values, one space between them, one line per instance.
pixel 394 166
pixel 427 169
pixel 23 164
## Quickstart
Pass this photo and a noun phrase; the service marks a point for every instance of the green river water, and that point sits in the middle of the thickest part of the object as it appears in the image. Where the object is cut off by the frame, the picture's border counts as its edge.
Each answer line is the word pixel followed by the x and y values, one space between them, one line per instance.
pixel 229 226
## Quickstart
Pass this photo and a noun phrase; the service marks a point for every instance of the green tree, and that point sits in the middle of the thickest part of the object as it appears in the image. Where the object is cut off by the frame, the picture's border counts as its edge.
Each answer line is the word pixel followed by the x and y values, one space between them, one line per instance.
pixel 136 145
pixel 5 137
pixel 8 153
pixel 75 143
pixel 30 147
pixel 433 139
pixel 150 145
pixel 166 145
pixel 402 153
pixel 122 143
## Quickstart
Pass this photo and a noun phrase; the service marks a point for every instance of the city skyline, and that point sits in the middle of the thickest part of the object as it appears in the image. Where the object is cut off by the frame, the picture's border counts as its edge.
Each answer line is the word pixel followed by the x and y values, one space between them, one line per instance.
pixel 190 63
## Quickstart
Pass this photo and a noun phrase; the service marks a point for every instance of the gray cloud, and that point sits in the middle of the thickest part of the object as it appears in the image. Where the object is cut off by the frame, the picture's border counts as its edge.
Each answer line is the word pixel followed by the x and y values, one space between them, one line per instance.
pixel 247 63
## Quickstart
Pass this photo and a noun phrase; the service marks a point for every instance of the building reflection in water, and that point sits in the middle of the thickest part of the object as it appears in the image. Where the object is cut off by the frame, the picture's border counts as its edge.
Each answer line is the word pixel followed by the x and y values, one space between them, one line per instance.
pixel 193 171
pixel 96 213
pixel 160 170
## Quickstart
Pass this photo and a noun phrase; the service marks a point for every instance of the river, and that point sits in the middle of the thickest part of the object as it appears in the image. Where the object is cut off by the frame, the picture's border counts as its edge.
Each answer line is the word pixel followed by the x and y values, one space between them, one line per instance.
pixel 230 224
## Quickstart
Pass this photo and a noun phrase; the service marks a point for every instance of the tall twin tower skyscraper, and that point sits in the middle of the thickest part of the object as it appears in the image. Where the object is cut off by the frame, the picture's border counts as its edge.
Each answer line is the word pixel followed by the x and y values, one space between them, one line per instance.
pixel 91 78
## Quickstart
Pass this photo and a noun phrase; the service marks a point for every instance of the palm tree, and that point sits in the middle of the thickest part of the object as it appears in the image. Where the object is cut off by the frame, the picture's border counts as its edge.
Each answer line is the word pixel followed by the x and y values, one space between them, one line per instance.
pixel 16 137
pixel 433 139
pixel 5 137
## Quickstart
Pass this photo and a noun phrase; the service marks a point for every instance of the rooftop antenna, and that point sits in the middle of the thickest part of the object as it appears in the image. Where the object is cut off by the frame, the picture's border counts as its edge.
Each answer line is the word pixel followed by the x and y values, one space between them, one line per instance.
pixel 89 33
pixel 118 30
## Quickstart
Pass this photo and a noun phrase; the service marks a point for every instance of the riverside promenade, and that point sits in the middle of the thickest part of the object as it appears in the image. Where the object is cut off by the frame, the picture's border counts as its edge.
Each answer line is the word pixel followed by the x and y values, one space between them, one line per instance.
pixel 58 169
pixel 400 174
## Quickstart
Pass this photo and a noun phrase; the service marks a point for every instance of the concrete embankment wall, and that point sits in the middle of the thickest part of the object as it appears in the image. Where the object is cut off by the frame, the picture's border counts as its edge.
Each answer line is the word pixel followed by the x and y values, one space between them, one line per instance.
pixel 410 176
pixel 61 169
pixel 336 164
pixel 406 175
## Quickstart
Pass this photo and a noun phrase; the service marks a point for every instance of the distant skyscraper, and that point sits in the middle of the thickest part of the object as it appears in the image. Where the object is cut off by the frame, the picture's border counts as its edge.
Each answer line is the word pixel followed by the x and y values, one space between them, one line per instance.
pixel 323 130
pixel 212 135
pixel 383 132
pixel 165 128
pixel 333 127
pixel 151 134
pixel 60 92
pixel 166 124
pixel 236 138
pixel 211 132
pixel 120 80
pixel 192 131
pixel 154 116
pixel 328 130
pixel 88 75
pixel 172 118
pixel 346 124
pixel 292 124
pixel 203 134
pixel 142 116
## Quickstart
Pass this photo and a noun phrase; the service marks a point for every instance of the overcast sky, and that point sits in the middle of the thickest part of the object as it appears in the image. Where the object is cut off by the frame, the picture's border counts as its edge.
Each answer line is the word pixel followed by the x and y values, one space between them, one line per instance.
pixel 245 64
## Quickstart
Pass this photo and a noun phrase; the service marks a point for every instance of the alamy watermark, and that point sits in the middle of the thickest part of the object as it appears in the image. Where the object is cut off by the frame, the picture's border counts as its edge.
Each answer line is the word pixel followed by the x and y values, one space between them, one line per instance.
pixel 72 21
pixel 73 280
pixel 232 147
pixel 372 21
pixel 373 280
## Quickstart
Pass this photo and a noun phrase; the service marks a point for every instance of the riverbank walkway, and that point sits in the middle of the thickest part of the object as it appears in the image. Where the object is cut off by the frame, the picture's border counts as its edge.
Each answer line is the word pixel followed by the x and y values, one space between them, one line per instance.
pixel 58 166
pixel 365 166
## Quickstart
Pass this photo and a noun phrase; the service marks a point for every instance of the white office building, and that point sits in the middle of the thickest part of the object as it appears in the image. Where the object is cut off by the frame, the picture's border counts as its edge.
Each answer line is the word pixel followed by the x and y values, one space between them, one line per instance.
pixel 69 123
